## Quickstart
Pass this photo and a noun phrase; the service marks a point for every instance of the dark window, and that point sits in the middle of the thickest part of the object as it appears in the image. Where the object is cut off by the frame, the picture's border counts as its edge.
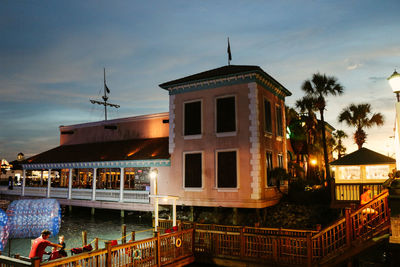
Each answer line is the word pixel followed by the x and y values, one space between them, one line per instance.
pixel 267 116
pixel 280 160
pixel 193 170
pixel 279 128
pixel 269 167
pixel 227 170
pixel 226 114
pixel 192 118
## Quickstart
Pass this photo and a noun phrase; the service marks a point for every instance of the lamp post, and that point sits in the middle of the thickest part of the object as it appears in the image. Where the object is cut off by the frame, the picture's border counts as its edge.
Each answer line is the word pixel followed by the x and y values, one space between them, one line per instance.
pixel 154 176
pixel 394 81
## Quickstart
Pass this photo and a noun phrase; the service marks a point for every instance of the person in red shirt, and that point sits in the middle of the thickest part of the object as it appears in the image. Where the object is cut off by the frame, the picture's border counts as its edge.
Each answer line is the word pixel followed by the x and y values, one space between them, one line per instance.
pixel 40 244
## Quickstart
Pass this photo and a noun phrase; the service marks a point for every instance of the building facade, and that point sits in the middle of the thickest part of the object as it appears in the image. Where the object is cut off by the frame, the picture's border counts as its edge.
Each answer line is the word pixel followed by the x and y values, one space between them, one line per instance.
pixel 224 133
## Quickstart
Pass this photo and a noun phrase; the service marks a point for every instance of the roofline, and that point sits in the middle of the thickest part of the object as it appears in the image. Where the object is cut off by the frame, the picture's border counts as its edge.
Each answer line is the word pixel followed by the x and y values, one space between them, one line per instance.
pixel 120 120
pixel 369 164
pixel 260 71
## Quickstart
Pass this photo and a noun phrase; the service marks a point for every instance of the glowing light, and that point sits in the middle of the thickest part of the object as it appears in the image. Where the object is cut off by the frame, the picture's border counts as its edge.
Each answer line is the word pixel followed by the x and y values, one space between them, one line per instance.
pixel 153 174
pixel 133 152
pixel 313 162
pixel 394 81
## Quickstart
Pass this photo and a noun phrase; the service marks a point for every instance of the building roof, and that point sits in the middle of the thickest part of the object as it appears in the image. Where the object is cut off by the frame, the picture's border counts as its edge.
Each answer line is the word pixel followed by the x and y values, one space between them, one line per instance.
pixel 134 149
pixel 223 72
pixel 363 156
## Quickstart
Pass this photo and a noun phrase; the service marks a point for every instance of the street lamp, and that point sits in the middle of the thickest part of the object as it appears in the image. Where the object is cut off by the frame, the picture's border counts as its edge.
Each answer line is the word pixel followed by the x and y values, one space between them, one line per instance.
pixel 394 81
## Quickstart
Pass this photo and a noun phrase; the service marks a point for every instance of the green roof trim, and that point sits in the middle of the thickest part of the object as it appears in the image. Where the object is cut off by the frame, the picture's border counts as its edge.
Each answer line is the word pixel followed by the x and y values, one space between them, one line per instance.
pixel 224 72
pixel 363 156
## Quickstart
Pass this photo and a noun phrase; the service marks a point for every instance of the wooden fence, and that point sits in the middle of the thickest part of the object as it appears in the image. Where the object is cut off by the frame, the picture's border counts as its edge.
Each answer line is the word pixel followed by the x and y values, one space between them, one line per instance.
pixel 162 250
pixel 289 246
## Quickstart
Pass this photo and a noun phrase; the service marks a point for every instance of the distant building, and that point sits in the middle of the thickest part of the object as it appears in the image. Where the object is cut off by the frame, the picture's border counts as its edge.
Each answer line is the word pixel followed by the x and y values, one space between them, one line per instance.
pixel 357 170
pixel 224 133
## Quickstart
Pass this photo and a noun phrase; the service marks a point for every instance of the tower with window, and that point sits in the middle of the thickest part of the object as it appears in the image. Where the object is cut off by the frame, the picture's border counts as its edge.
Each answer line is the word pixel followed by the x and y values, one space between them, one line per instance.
pixel 227 132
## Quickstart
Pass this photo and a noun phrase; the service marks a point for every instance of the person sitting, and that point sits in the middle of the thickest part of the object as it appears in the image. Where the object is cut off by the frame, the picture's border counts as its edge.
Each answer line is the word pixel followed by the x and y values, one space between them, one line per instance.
pixel 39 245
pixel 62 243
pixel 365 198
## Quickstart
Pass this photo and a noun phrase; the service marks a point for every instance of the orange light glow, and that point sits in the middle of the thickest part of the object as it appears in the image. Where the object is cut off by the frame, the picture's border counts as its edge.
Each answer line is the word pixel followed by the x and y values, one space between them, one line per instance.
pixel 133 152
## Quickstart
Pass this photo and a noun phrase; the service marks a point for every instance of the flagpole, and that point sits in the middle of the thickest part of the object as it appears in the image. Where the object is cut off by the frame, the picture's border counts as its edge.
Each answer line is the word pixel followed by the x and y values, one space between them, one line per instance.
pixel 229 62
pixel 105 95
pixel 229 53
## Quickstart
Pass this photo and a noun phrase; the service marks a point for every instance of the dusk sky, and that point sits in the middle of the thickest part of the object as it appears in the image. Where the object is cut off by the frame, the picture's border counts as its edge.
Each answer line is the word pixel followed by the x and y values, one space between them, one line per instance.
pixel 52 55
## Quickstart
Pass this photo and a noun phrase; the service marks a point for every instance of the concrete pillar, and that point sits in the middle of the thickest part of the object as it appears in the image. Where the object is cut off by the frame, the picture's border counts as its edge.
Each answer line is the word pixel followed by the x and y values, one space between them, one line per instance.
pixel 191 218
pixel 121 185
pixel 156 214
pixel 48 184
pixel 397 136
pixel 70 183
pixel 94 180
pixel 174 212
pixel 70 208
pixel 92 212
pixel 41 178
pixel 235 216
pixel 23 182
pixel 122 214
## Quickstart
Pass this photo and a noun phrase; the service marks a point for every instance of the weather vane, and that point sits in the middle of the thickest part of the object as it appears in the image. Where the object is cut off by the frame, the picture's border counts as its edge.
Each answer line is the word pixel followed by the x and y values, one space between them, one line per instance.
pixel 105 98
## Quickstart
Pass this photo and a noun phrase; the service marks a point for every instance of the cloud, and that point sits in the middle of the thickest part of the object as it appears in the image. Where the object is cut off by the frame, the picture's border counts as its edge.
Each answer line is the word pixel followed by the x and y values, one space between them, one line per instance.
pixel 354 66
pixel 377 79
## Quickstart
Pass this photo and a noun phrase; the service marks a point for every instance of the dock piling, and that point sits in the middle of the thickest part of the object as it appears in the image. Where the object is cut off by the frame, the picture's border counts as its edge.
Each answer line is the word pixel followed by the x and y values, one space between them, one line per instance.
pixel 84 238
pixel 123 232
pixel 133 236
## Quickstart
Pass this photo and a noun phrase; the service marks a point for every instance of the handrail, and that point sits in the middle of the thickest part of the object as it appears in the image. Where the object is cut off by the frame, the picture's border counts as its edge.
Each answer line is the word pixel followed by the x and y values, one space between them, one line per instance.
pixel 14 262
pixel 330 227
pixel 77 257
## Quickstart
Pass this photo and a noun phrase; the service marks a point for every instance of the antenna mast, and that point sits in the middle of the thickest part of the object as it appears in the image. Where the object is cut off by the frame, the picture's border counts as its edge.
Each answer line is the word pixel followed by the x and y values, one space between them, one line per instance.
pixel 105 98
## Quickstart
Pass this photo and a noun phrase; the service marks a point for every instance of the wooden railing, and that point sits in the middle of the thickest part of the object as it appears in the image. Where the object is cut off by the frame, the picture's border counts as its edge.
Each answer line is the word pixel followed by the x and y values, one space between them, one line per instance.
pixel 261 245
pixel 289 246
pixel 157 251
pixel 7 261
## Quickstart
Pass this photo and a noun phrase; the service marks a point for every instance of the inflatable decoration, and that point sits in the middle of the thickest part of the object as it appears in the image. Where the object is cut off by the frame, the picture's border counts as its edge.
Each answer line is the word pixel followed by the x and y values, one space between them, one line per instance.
pixel 29 217
pixel 3 229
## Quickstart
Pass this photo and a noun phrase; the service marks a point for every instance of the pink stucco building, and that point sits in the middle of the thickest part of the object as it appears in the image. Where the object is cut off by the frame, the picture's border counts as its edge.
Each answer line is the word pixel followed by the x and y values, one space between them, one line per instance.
pixel 224 133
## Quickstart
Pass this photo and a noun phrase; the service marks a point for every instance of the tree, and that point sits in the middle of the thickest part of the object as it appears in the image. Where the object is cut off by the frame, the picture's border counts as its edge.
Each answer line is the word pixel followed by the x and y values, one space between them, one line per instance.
pixel 338 147
pixel 279 175
pixel 297 134
pixel 361 117
pixel 319 87
pixel 309 119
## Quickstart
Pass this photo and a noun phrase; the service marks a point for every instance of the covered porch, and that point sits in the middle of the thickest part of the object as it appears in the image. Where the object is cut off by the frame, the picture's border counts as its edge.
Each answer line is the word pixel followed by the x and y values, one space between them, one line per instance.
pixel 116 171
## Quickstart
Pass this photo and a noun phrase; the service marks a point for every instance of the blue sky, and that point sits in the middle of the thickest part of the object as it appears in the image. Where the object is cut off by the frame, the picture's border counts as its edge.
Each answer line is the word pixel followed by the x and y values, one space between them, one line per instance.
pixel 52 54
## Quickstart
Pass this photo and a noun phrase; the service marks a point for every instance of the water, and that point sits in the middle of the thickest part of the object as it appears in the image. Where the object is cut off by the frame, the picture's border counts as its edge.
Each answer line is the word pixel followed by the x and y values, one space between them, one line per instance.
pixel 105 224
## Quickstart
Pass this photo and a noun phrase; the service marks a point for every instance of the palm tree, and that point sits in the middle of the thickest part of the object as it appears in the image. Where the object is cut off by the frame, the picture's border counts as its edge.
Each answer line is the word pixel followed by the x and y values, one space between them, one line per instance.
pixel 308 117
pixel 297 134
pixel 361 117
pixel 319 87
pixel 339 135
